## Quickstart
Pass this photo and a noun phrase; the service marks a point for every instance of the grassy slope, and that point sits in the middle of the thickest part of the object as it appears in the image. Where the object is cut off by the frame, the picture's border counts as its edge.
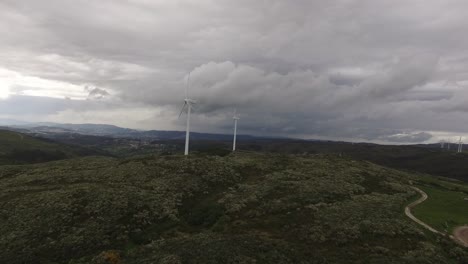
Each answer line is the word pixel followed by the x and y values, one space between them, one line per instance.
pixel 11 140
pixel 445 207
pixel 245 208
pixel 17 148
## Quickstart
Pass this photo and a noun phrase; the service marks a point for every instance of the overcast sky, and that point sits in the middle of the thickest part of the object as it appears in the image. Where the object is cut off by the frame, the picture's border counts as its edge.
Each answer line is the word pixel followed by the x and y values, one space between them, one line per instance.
pixel 393 71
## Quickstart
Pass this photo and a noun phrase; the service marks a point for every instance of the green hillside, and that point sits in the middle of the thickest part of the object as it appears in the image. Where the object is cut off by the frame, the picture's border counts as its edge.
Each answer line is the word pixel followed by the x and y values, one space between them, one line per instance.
pixel 243 208
pixel 416 158
pixel 446 206
pixel 18 148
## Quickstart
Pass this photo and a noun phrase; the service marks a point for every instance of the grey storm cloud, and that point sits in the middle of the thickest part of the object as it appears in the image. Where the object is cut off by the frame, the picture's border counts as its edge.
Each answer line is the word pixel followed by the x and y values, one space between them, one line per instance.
pixel 388 71
pixel 96 93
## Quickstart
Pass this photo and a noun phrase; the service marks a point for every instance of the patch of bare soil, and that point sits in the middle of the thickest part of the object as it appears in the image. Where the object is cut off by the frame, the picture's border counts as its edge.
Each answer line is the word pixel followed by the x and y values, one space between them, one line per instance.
pixel 461 234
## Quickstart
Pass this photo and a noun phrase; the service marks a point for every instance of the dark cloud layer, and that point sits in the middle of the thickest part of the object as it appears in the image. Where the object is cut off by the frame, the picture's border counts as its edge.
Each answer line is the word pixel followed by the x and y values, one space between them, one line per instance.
pixel 385 71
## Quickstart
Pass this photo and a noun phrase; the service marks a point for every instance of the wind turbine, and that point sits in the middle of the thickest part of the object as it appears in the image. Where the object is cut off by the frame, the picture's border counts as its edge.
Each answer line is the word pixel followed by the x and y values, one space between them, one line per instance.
pixel 460 145
pixel 189 104
pixel 236 118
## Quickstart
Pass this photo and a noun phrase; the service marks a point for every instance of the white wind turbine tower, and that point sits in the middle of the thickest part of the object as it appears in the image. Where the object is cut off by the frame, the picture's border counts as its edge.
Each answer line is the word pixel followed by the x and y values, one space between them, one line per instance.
pixel 442 144
pixel 460 145
pixel 189 104
pixel 236 118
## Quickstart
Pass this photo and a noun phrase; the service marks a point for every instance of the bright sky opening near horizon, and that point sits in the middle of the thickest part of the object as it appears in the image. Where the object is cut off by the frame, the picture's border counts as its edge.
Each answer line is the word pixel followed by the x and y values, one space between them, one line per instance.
pixel 360 70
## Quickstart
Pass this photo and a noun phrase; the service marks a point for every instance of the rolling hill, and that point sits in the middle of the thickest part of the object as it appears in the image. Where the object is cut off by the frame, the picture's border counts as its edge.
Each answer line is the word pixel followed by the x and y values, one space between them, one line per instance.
pixel 19 148
pixel 242 208
pixel 428 159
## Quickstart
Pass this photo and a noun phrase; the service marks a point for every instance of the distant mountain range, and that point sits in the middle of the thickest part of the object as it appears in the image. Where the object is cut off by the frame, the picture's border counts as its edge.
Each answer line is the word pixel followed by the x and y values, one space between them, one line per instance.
pixel 47 128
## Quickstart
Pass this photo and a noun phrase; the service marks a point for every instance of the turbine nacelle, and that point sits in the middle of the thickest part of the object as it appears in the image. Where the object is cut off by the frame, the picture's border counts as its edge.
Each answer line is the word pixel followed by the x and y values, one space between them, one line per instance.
pixel 235 116
pixel 190 101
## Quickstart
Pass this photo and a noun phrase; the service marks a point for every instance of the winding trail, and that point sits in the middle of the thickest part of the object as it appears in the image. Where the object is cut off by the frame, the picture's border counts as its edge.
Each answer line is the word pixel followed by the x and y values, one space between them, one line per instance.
pixel 412 217
pixel 460 234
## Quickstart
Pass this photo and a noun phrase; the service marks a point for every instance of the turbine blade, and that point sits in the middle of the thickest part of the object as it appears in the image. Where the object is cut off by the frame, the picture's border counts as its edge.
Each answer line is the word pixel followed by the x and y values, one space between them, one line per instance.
pixel 187 86
pixel 182 110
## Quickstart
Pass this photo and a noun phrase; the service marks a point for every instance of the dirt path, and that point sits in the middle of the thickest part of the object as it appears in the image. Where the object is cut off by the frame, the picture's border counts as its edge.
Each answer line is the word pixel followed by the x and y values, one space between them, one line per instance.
pixel 412 217
pixel 461 234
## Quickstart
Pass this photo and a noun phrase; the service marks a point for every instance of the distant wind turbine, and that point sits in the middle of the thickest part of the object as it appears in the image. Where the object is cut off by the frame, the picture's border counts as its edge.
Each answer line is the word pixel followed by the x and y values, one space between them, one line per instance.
pixel 189 104
pixel 460 145
pixel 236 118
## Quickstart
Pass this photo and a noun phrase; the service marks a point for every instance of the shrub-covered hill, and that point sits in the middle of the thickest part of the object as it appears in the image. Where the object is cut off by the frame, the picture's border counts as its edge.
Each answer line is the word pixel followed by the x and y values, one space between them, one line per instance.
pixel 428 159
pixel 18 148
pixel 244 208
